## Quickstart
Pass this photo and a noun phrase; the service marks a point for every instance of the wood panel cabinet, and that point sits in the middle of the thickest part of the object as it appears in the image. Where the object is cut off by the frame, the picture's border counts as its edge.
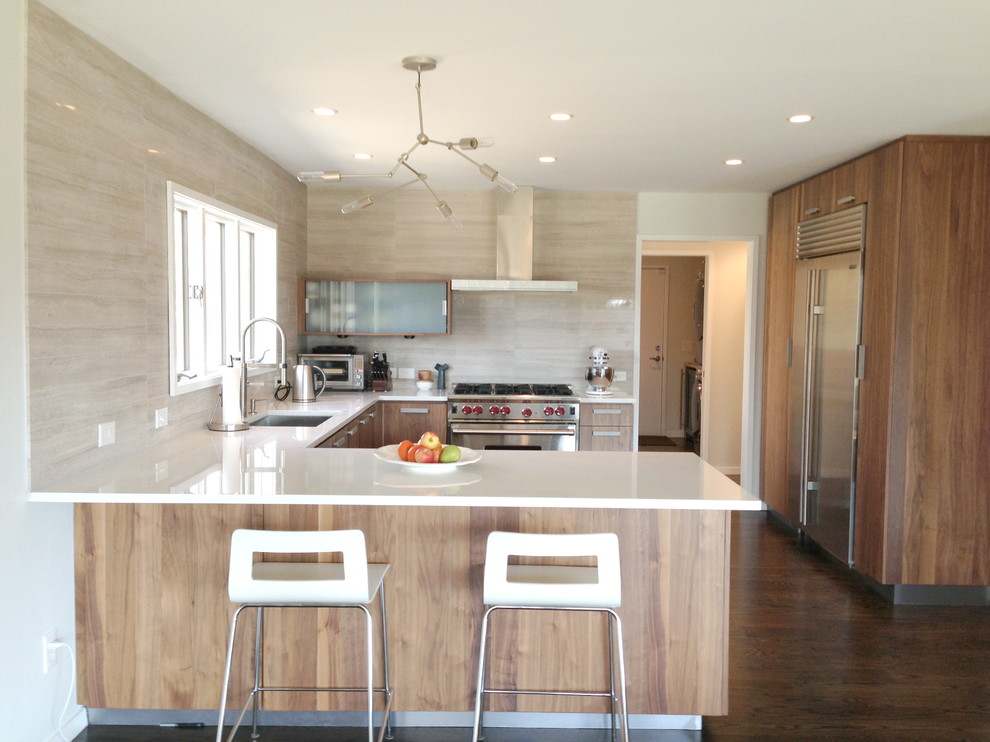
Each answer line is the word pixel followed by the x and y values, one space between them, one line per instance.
pixel 606 427
pixel 920 515
pixel 152 609
pixel 409 420
pixel 370 427
pixel 346 437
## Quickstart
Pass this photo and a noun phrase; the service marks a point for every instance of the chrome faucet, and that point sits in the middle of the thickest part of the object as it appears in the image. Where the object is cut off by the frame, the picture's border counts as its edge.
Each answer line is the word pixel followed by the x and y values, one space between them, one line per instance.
pixel 282 366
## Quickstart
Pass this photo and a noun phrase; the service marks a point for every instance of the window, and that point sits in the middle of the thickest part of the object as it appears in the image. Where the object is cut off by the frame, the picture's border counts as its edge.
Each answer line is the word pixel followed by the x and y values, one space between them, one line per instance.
pixel 222 274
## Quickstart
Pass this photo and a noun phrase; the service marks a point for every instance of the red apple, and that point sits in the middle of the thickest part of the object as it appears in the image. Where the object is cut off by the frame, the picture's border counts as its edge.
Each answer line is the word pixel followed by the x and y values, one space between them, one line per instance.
pixel 430 440
pixel 425 455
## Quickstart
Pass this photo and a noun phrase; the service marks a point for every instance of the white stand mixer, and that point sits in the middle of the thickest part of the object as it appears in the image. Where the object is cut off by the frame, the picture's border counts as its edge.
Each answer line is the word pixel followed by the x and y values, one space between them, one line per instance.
pixel 599 375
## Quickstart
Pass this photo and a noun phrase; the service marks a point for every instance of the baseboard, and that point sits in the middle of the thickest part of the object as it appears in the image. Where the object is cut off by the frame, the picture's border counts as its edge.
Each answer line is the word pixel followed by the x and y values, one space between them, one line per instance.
pixel 464 719
pixel 72 727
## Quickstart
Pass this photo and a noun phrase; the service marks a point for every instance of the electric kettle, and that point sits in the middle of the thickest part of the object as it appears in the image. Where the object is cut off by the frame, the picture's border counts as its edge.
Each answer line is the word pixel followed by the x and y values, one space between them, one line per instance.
pixel 304 387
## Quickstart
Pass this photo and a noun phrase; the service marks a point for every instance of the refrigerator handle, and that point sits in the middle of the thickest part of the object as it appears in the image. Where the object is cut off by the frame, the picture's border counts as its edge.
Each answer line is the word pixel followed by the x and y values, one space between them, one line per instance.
pixel 860 362
pixel 790 352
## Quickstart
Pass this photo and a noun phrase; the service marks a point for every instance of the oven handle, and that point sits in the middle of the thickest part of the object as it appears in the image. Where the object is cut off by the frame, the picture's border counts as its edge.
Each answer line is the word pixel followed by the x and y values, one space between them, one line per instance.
pixel 504 431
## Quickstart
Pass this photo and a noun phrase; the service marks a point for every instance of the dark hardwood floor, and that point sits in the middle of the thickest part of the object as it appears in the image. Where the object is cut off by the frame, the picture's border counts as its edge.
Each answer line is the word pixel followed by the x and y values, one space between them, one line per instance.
pixel 814 656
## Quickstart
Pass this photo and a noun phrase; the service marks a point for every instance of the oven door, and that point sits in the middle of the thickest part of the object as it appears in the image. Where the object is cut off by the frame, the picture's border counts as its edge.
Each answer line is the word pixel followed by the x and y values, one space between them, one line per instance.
pixel 514 436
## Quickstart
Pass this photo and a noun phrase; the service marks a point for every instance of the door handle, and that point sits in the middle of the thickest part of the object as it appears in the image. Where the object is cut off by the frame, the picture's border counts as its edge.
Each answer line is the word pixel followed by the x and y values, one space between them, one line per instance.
pixel 656 358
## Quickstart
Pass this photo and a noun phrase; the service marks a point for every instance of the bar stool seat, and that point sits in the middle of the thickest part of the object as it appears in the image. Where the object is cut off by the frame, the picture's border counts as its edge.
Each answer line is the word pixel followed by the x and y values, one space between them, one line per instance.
pixel 549 587
pixel 352 583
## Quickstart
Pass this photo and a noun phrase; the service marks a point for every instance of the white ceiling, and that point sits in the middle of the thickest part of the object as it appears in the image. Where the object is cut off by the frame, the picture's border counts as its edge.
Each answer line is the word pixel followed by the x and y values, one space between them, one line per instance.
pixel 662 92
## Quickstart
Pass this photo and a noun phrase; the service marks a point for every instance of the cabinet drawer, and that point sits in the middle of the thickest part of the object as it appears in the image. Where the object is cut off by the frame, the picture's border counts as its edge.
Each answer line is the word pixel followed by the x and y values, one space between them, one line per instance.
pixel 409 420
pixel 606 414
pixel 601 438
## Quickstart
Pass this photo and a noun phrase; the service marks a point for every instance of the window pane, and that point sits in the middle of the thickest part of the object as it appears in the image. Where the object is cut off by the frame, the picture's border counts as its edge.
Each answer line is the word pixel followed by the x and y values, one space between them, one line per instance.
pixel 223 275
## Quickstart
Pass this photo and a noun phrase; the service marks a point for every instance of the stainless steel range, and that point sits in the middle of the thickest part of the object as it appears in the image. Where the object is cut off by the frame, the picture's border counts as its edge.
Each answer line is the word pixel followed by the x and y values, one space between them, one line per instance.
pixel 519 417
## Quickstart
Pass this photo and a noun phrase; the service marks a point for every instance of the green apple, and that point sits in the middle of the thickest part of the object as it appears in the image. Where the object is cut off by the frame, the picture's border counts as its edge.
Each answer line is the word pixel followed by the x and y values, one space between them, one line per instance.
pixel 450 454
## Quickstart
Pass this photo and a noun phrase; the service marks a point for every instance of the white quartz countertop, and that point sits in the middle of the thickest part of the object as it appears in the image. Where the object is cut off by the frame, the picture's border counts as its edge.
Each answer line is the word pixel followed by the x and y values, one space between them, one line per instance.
pixel 266 465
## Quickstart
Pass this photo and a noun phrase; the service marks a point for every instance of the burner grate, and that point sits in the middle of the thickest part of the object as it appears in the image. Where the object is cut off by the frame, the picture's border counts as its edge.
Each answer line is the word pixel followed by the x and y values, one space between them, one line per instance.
pixel 508 390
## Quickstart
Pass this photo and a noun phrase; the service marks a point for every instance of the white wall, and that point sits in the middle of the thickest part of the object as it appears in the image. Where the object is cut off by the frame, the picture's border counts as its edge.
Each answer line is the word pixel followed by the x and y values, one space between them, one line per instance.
pixel 36 591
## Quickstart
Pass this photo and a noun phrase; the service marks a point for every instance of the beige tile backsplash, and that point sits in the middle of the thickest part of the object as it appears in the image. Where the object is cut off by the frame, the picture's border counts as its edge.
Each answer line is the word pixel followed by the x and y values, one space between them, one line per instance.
pixel 97 256
pixel 585 237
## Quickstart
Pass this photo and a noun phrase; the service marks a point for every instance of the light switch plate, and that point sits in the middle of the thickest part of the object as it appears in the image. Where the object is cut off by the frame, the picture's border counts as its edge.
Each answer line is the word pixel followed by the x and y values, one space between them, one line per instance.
pixel 161 417
pixel 106 434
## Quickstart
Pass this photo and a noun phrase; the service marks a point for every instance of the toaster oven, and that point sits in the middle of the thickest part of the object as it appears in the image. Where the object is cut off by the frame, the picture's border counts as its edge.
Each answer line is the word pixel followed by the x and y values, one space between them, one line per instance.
pixel 344 370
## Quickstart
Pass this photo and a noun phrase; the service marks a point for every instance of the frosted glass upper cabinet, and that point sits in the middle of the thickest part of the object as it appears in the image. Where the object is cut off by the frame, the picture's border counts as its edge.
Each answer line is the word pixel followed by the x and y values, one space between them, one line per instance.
pixel 374 307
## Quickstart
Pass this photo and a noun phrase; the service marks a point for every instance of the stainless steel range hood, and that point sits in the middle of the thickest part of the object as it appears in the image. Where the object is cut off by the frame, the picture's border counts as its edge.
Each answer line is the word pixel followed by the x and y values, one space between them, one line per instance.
pixel 513 250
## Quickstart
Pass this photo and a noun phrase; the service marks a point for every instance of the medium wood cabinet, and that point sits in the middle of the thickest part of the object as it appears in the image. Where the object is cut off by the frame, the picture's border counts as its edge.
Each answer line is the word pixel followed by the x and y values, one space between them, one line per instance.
pixel 606 427
pixel 921 517
pixel 409 420
pixel 370 427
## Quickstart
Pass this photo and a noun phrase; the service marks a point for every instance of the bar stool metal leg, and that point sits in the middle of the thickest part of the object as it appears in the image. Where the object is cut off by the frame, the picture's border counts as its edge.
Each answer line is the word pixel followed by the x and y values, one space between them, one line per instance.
pixel 258 649
pixel 622 674
pixel 479 697
pixel 386 685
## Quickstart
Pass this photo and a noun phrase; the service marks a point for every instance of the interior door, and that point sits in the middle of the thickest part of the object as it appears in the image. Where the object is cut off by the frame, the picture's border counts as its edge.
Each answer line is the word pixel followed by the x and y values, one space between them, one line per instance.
pixel 652 347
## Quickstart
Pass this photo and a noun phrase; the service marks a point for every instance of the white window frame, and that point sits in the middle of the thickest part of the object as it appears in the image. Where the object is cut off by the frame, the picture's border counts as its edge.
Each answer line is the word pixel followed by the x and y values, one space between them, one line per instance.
pixel 203 340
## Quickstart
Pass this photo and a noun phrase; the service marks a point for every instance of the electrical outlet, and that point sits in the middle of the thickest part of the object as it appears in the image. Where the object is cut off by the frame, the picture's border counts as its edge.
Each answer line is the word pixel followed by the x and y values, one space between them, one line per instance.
pixel 106 434
pixel 620 375
pixel 49 654
pixel 161 417
pixel 407 373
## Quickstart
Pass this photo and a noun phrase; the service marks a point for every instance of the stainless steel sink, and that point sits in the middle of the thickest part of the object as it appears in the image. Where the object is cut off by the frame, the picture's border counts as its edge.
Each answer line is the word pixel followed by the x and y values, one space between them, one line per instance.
pixel 289 420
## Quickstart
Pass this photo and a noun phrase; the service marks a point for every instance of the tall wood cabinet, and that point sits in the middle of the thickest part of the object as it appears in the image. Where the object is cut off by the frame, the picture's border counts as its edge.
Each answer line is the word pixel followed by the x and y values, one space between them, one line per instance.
pixel 922 516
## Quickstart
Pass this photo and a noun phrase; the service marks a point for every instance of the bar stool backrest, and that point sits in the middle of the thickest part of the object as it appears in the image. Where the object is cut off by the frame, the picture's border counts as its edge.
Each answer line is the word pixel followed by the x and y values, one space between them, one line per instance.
pixel 552 586
pixel 317 583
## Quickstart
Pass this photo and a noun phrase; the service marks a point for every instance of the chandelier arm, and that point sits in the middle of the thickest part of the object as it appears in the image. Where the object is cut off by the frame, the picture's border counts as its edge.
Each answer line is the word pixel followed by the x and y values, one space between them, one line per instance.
pixel 457 151
pixel 419 102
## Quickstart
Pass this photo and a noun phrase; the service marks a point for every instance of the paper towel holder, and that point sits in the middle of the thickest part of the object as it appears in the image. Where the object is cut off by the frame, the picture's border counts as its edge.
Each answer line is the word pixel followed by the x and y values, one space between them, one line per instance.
pixel 222 427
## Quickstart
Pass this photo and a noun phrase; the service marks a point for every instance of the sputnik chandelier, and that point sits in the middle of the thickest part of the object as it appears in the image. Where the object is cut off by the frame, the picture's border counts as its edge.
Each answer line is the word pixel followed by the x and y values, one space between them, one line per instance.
pixel 419 65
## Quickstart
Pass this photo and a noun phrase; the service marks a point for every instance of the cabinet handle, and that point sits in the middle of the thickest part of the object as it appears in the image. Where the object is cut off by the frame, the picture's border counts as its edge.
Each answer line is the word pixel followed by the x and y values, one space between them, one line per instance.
pixel 605 433
pixel 845 200
pixel 443 308
pixel 606 412
pixel 352 431
pixel 306 311
pixel 340 443
pixel 414 410
pixel 812 210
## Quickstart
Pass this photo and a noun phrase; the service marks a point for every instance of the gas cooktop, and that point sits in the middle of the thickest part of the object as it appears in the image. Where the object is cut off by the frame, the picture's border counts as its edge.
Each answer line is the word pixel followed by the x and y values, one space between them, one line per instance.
pixel 512 390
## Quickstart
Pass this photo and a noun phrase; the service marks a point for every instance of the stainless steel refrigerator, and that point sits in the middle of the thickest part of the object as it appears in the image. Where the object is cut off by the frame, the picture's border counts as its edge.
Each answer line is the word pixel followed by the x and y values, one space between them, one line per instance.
pixel 826 359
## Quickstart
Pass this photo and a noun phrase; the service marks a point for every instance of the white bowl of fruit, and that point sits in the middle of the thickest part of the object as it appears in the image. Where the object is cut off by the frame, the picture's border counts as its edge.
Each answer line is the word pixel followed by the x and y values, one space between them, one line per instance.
pixel 428 454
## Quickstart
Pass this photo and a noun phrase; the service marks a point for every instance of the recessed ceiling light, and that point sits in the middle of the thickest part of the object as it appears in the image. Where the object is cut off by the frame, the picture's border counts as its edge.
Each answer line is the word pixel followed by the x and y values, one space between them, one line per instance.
pixel 362 156
pixel 800 118
pixel 561 116
pixel 323 111
pixel 734 161
pixel 548 158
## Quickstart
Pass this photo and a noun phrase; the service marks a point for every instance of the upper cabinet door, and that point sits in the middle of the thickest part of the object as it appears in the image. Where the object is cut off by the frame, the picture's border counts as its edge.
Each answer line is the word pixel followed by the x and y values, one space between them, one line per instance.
pixel 375 307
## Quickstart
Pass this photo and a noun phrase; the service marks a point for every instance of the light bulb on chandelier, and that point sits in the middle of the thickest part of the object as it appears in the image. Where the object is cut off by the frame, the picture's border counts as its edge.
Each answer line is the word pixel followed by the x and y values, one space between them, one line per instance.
pixel 419 65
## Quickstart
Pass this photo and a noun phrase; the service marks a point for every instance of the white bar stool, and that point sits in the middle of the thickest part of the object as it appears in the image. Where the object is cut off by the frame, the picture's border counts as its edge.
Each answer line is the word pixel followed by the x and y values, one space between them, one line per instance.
pixel 352 583
pixel 538 587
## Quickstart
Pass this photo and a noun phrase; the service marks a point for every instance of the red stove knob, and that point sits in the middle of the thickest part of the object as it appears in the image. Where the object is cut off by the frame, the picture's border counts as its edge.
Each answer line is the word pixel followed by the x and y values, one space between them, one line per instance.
pixel 548 411
pixel 527 412
pixel 493 410
pixel 505 410
pixel 466 409
pixel 559 412
pixel 477 409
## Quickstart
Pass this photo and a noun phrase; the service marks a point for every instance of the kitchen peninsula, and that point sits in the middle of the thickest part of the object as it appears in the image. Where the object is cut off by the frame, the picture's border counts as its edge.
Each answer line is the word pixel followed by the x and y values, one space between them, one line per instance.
pixel 152 538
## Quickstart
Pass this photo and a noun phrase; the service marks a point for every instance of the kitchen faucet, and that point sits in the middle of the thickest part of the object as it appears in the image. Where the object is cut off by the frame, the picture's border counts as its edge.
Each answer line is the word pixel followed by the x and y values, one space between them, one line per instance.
pixel 282 378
